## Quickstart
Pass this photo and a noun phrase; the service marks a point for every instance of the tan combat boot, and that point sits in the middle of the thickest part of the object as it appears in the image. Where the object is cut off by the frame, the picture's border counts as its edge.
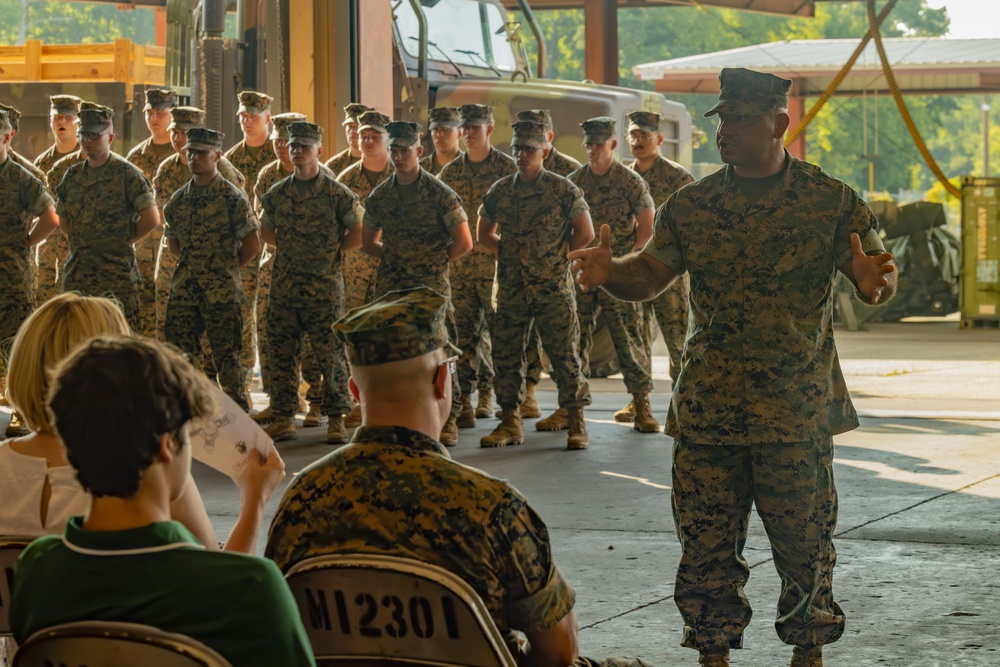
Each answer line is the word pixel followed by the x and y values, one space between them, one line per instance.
pixel 467 417
pixel 645 422
pixel 262 416
pixel 577 438
pixel 449 434
pixel 315 416
pixel 485 405
pixel 807 657
pixel 626 415
pixel 713 658
pixel 529 409
pixel 557 421
pixel 509 432
pixel 282 428
pixel 336 432
pixel 354 419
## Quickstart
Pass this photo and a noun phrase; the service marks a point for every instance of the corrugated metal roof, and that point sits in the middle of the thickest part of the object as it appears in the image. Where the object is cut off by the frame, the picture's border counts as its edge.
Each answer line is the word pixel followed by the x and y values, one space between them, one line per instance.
pixel 812 56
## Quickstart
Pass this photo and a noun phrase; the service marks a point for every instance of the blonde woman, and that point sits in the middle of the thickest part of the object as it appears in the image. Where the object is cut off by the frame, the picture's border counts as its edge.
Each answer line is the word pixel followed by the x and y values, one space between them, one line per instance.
pixel 38 487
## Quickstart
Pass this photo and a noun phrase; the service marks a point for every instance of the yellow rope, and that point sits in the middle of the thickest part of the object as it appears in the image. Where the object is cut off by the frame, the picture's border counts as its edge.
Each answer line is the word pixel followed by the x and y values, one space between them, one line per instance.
pixel 904 112
pixel 837 80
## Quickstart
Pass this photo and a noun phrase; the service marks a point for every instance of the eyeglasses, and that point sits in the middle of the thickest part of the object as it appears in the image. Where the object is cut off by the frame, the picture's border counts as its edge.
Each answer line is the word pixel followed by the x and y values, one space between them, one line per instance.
pixel 452 364
pixel 640 138
pixel 523 150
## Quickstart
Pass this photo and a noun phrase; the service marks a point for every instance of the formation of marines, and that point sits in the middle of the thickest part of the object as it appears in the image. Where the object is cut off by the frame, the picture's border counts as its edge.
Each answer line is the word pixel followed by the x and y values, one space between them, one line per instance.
pixel 253 253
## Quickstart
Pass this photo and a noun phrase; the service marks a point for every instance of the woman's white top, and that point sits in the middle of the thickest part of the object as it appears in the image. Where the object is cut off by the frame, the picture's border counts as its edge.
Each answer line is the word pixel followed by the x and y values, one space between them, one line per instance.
pixel 22 479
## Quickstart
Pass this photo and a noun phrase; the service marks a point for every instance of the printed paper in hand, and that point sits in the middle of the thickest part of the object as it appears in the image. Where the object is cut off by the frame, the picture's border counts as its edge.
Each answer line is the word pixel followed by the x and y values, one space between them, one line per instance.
pixel 225 440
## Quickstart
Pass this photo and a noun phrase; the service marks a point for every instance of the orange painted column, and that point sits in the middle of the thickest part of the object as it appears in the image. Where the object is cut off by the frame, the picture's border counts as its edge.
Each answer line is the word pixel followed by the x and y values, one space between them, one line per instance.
pixel 161 25
pixel 601 41
pixel 796 110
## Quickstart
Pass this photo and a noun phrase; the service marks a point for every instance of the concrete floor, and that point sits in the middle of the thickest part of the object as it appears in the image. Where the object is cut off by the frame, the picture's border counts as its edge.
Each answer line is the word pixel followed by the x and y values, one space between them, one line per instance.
pixel 918 535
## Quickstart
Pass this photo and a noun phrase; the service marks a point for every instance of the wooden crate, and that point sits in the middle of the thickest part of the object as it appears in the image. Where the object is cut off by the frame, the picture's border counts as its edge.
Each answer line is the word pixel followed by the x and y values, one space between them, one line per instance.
pixel 121 61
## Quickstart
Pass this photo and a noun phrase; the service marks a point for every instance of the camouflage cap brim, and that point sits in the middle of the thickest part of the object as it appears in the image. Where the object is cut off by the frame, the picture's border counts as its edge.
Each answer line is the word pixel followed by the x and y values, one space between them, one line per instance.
pixel 201 146
pixel 749 107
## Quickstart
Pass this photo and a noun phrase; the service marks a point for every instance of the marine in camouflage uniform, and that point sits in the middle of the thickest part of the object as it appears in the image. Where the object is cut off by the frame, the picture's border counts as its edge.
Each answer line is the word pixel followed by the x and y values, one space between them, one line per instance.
pixel 760 393
pixel 24 199
pixel 312 374
pixel 442 125
pixel 619 198
pixel 670 309
pixel 415 225
pixel 172 174
pixel 14 119
pixel 473 276
pixel 255 114
pixel 562 165
pixel 395 491
pixel 148 155
pixel 104 210
pixel 311 219
pixel 345 158
pixel 539 216
pixel 53 252
pixel 212 225
pixel 360 178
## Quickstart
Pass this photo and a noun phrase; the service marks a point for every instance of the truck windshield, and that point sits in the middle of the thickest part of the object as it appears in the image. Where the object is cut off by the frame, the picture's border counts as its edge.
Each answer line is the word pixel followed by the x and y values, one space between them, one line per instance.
pixel 465 30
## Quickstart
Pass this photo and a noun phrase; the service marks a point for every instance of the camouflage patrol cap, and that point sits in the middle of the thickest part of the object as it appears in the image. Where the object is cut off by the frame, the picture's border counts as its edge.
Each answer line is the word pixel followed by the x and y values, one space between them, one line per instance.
pixel 403 133
pixel 5 125
pixel 542 116
pixel 184 118
pixel 280 123
pixel 397 326
pixel 160 99
pixel 645 121
pixel 307 134
pixel 529 133
pixel 598 130
pixel 353 111
pixel 442 117
pixel 204 139
pixel 373 120
pixel 13 115
pixel 749 93
pixel 475 114
pixel 95 118
pixel 253 102
pixel 67 105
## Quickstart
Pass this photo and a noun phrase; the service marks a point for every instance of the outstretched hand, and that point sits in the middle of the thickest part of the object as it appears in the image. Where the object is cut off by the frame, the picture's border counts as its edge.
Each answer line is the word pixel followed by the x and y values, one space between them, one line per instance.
pixel 870 271
pixel 592 266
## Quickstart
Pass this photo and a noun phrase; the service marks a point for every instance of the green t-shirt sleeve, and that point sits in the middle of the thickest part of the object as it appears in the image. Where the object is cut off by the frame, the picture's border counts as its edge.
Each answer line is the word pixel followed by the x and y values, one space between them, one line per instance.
pixel 269 613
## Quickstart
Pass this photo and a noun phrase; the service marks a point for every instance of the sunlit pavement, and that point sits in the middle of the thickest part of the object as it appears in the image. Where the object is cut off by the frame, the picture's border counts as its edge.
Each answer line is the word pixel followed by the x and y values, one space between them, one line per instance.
pixel 919 528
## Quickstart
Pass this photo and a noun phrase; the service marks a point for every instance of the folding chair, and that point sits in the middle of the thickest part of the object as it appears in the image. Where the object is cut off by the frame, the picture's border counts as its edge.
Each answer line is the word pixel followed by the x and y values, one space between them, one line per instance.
pixel 363 609
pixel 112 644
pixel 10 549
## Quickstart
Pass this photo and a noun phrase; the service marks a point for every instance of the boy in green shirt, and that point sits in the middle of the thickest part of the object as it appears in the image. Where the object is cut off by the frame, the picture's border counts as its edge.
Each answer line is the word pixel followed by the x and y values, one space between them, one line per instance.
pixel 126 560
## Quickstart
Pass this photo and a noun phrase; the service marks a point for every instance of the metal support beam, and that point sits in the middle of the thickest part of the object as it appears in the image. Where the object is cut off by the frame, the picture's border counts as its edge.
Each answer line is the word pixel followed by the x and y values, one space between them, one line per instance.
pixel 601 41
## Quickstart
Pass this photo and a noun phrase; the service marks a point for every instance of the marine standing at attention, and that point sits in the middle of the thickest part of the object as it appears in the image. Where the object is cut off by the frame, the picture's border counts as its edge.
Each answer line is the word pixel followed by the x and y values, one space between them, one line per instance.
pixel 442 123
pixel 352 153
pixel 105 205
pixel 148 155
pixel 531 219
pixel 212 230
pixel 416 226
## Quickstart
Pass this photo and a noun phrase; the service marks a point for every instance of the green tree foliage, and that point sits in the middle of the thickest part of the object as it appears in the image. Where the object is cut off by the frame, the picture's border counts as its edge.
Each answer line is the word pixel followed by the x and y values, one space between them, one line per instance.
pixel 73 22
pixel 836 138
